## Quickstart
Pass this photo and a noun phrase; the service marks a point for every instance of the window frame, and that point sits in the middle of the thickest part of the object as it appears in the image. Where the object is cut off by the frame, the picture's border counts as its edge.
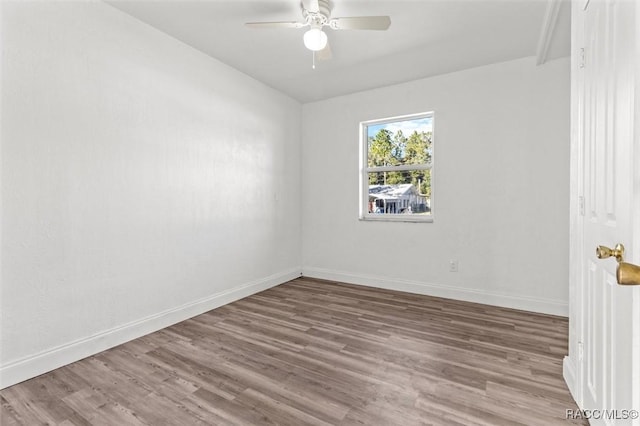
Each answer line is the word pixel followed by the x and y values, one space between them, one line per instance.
pixel 363 207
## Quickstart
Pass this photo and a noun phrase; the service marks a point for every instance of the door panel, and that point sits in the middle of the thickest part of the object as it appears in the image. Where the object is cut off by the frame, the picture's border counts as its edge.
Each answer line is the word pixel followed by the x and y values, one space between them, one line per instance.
pixel 604 124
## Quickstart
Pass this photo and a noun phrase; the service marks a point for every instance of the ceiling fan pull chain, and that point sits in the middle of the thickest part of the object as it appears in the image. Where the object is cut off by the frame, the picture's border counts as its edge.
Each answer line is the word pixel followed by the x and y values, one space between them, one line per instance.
pixel 313 65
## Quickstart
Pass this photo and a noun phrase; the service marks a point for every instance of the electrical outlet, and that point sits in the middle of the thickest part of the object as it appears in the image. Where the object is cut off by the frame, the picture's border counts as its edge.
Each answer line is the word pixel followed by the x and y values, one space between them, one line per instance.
pixel 453 265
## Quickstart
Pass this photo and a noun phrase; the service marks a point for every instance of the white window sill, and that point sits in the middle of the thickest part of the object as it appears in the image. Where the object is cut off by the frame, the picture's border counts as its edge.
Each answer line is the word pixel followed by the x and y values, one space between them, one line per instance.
pixel 397 218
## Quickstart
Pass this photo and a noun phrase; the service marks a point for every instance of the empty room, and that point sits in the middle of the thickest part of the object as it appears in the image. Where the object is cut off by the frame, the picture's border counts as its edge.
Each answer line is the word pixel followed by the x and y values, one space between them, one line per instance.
pixel 320 212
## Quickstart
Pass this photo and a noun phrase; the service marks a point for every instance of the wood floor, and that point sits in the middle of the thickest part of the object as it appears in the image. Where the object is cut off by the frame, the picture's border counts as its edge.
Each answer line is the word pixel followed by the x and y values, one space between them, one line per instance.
pixel 320 353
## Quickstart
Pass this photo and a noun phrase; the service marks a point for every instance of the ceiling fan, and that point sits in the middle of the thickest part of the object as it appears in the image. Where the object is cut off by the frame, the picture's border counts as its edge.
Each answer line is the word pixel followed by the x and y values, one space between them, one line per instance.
pixel 318 16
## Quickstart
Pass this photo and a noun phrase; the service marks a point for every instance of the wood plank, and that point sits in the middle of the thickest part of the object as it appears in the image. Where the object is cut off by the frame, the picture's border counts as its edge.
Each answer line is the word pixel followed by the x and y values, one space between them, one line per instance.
pixel 322 353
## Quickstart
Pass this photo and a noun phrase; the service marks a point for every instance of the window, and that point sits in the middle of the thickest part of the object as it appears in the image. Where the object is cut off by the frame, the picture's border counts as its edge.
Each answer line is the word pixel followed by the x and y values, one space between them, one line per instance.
pixel 396 168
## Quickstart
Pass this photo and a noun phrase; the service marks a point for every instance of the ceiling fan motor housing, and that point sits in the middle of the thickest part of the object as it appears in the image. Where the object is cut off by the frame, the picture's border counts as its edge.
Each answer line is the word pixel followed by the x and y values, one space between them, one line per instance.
pixel 319 18
pixel 324 8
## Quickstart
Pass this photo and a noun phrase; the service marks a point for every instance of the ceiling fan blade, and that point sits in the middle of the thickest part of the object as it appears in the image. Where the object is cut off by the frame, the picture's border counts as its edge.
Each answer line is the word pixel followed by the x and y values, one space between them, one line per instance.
pixel 291 24
pixel 325 54
pixel 361 23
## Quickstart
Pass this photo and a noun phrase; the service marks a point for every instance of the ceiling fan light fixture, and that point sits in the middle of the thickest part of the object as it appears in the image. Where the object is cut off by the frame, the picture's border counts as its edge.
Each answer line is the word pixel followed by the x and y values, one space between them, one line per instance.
pixel 315 39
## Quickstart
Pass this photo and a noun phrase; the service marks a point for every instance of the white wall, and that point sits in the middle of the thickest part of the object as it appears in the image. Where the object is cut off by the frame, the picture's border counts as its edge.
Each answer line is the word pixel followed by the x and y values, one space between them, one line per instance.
pixel 142 183
pixel 501 182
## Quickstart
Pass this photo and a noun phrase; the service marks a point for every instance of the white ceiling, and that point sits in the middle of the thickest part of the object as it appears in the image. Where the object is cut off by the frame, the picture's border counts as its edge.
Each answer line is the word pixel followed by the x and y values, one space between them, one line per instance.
pixel 426 38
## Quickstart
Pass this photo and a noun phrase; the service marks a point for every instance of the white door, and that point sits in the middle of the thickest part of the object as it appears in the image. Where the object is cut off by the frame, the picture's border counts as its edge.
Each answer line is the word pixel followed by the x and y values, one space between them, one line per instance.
pixel 605 115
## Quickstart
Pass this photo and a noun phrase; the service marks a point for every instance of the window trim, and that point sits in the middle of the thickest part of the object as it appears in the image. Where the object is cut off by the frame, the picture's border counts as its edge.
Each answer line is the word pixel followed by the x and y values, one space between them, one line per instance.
pixel 364 214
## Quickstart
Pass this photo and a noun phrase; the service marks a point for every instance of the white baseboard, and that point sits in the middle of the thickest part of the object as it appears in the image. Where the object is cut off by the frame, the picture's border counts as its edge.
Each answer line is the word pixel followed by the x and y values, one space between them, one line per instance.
pixel 42 362
pixel 569 375
pixel 545 306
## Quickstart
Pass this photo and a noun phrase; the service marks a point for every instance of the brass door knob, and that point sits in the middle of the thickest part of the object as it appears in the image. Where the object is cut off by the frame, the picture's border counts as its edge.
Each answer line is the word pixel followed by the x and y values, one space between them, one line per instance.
pixel 627 273
pixel 604 252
